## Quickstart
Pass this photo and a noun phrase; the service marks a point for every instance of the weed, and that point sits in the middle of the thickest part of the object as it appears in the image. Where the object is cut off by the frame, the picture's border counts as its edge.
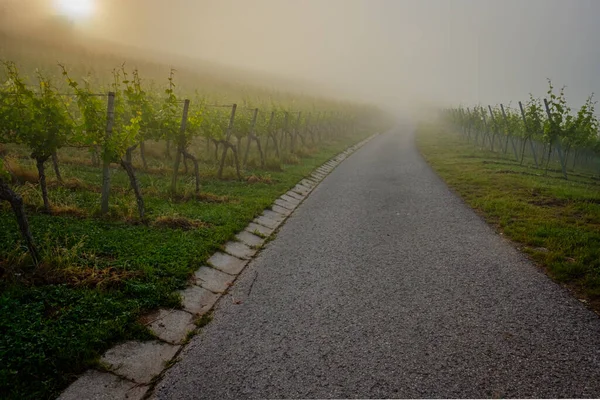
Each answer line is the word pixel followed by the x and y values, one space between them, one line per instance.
pixel 203 320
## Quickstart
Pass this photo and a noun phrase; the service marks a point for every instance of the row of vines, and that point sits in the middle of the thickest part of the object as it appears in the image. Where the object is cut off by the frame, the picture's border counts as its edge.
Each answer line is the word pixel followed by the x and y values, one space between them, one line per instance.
pixel 540 129
pixel 115 121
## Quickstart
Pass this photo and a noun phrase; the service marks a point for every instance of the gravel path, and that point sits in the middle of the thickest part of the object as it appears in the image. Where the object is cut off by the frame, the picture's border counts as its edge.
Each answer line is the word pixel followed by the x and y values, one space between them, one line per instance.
pixel 384 284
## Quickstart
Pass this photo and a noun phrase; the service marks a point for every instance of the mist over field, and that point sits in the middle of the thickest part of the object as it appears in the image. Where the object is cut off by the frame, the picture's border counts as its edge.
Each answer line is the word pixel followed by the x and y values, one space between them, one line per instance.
pixel 398 52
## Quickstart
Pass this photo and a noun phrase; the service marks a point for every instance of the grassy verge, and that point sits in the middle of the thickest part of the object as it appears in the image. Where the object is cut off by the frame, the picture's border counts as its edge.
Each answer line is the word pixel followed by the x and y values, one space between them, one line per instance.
pixel 101 274
pixel 555 221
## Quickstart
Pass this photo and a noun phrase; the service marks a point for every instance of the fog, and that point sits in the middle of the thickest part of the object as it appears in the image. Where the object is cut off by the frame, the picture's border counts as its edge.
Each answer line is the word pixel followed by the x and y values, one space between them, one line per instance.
pixel 399 52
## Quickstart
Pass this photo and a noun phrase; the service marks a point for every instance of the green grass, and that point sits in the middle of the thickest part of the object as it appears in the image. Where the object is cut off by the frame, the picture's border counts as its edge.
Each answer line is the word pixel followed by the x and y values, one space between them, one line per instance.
pixel 100 275
pixel 555 221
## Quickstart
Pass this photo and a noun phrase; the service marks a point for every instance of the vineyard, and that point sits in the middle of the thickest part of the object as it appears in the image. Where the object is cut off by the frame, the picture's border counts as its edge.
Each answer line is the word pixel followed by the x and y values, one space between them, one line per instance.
pixel 115 192
pixel 544 134
pixel 533 173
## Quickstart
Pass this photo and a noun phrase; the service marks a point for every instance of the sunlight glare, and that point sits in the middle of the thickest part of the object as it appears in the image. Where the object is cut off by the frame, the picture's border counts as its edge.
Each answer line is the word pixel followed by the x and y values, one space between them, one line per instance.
pixel 75 8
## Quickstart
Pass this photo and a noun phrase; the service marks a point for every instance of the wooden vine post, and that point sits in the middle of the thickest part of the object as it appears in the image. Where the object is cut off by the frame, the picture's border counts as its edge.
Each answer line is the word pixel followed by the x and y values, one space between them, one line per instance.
pixel 227 145
pixel 110 121
pixel 251 137
pixel 180 145
pixel 527 138
pixel 508 134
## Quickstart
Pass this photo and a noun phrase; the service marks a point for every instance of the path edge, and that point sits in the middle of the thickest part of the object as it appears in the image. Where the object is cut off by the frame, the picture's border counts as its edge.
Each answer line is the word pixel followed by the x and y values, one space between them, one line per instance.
pixel 130 370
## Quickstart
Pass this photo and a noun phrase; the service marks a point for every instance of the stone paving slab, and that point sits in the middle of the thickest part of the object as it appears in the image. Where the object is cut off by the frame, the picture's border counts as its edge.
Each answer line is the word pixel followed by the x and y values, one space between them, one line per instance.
pixel 263 230
pixel 171 325
pixel 239 250
pixel 96 385
pixel 268 222
pixel 308 183
pixel 294 195
pixel 285 204
pixel 250 239
pixel 198 300
pixel 302 190
pixel 291 199
pixel 273 215
pixel 301 187
pixel 281 210
pixel 212 279
pixel 229 264
pixel 139 361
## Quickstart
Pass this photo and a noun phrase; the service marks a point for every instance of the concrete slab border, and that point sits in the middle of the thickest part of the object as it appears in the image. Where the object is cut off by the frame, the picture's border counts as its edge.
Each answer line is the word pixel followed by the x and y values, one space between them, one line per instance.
pixel 131 368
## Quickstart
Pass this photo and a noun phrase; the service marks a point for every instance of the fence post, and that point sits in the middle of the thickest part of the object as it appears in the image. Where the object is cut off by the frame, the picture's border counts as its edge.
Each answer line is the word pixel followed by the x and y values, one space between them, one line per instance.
pixel 227 144
pixel 180 144
pixel 110 121
pixel 231 121
pixel 495 127
pixel 460 115
pixel 285 134
pixel 527 136
pixel 296 131
pixel 470 121
pixel 251 136
pixel 508 133
pixel 485 127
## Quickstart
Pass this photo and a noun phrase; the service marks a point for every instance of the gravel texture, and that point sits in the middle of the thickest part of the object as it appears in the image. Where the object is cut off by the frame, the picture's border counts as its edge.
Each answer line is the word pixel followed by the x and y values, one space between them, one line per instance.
pixel 384 284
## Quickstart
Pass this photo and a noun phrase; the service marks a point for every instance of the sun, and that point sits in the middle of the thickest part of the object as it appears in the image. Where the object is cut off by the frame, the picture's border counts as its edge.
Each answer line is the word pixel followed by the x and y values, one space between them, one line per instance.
pixel 76 9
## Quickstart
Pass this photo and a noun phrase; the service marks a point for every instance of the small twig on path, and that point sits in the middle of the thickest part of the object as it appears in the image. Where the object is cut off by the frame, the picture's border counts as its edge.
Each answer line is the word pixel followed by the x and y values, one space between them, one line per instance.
pixel 252 284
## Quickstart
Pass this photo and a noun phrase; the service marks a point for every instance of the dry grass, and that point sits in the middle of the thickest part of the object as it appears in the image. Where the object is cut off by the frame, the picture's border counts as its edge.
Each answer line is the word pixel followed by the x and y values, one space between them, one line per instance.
pixel 101 278
pixel 229 173
pixel 159 170
pixel 21 173
pixel 74 184
pixel 213 198
pixel 68 211
pixel 178 222
pixel 75 158
pixel 31 194
pixel 291 159
pixel 203 197
pixel 304 152
pixel 62 264
pixel 259 179
pixel 122 210
pixel 273 164
pixel 155 150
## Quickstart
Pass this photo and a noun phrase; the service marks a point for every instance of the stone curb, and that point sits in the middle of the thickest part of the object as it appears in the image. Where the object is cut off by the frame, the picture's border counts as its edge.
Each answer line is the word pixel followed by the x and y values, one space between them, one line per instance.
pixel 131 367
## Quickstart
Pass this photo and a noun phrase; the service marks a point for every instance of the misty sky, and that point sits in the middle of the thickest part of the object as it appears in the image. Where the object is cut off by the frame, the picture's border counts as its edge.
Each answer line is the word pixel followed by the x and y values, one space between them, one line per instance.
pixel 401 51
